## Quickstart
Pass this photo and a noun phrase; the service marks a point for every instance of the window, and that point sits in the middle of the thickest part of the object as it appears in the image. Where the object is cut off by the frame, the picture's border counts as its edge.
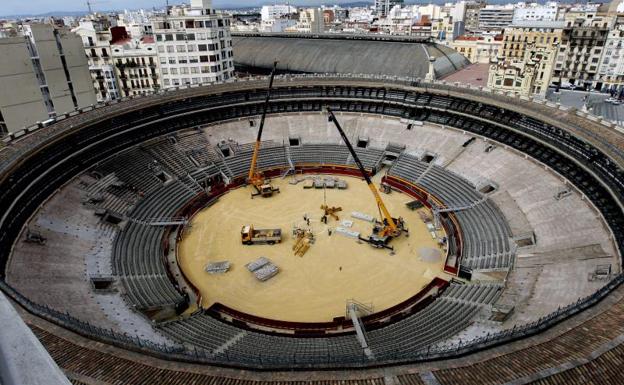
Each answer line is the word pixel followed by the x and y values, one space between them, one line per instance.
pixel 161 49
pixel 159 37
pixel 174 71
pixel 190 36
pixel 203 59
pixel 194 70
pixel 184 71
pixel 165 71
pixel 180 37
pixel 170 49
pixel 202 47
pixel 193 59
pixel 163 60
pixel 172 60
pixel 180 48
pixel 182 60
pixel 166 82
pixel 200 36
pixel 205 69
pixel 191 47
pixel 168 37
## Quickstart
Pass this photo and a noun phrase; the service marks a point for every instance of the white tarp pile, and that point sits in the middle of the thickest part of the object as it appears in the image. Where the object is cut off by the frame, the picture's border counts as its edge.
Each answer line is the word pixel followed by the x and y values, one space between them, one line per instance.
pixel 262 268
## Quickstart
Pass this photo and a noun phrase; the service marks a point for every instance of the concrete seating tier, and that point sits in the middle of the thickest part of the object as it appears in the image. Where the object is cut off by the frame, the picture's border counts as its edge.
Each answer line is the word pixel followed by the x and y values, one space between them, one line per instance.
pixel 448 315
pixel 138 253
pixel 486 234
pixel 133 168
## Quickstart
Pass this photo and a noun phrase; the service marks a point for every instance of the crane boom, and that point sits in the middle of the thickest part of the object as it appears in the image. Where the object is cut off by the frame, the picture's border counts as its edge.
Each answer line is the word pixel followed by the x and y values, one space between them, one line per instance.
pixel 390 221
pixel 254 158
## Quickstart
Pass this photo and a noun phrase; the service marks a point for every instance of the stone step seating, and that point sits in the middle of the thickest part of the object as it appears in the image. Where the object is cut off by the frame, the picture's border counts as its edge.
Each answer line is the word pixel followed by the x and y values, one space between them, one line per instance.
pixel 133 168
pixel 371 158
pixel 486 234
pixel 268 157
pixel 205 332
pixel 195 144
pixel 137 250
pixel 321 154
pixel 445 317
pixel 448 315
pixel 116 198
pixel 166 153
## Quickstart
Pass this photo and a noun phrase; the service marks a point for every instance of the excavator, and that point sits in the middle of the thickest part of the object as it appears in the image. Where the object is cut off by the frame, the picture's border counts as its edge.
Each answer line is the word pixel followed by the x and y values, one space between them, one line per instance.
pixel 262 186
pixel 387 228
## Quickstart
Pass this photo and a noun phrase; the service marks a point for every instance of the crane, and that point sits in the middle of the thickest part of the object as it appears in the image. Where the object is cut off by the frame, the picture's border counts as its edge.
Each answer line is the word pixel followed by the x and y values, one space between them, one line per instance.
pixel 255 177
pixel 388 227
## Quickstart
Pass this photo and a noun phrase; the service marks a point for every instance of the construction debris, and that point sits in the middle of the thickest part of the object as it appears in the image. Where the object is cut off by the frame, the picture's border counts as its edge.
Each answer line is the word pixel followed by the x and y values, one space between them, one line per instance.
pixel 262 268
pixel 218 267
pixel 362 216
pixel 347 232
pixel 303 241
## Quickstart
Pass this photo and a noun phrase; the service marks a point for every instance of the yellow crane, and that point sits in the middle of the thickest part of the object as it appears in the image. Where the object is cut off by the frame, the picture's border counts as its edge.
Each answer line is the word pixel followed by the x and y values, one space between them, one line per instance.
pixel 262 186
pixel 388 227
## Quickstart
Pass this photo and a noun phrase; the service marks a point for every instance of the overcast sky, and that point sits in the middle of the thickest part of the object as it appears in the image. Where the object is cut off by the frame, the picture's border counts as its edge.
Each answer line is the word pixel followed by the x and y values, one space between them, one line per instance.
pixel 32 7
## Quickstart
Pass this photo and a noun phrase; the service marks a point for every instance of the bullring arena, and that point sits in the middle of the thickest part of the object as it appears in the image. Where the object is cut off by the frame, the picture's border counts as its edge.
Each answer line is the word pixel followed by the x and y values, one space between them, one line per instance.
pixel 511 272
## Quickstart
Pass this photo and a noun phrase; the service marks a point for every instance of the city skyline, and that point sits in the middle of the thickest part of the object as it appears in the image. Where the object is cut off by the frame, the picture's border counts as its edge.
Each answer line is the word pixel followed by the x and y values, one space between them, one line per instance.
pixel 41 7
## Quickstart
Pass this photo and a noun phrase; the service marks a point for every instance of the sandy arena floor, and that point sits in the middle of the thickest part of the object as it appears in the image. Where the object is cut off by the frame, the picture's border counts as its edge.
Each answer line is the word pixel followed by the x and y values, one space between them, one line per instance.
pixel 315 287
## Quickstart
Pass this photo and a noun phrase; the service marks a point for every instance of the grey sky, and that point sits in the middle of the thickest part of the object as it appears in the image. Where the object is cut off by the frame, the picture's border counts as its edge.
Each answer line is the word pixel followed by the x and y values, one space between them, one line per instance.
pixel 18 7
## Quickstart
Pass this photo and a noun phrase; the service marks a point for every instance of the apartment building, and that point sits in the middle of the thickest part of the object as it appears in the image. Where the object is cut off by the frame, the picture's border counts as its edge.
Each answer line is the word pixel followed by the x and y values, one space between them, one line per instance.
pixel 536 12
pixel 96 37
pixel 383 7
pixel 471 14
pixel 136 65
pixel 524 33
pixel 611 70
pixel 478 48
pixel 495 17
pixel 582 45
pixel 46 72
pixel 193 45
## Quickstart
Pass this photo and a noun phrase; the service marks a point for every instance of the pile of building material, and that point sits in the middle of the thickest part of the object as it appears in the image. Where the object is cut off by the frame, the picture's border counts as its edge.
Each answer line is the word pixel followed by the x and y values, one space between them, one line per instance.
pixel 262 268
pixel 362 216
pixel 218 267
pixel 347 233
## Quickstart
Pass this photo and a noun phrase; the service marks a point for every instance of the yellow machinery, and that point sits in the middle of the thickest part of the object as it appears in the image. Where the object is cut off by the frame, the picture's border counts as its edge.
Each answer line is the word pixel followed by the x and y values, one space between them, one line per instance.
pixel 330 212
pixel 303 240
pixel 262 186
pixel 388 227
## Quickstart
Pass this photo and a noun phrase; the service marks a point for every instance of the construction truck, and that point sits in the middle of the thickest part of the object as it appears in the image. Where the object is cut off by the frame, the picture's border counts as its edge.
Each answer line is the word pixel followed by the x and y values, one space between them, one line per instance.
pixel 388 227
pixel 251 236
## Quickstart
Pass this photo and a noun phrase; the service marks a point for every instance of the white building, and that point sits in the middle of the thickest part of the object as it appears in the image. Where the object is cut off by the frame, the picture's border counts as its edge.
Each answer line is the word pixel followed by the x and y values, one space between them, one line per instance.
pixel 310 21
pixel 536 12
pixel 496 17
pixel 277 25
pixel 194 45
pixel 383 7
pixel 611 70
pixel 272 12
pixel 96 37
pixel 136 65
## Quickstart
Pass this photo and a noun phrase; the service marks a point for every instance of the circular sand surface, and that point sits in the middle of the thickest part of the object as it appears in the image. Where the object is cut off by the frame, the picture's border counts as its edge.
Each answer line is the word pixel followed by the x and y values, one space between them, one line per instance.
pixel 315 287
